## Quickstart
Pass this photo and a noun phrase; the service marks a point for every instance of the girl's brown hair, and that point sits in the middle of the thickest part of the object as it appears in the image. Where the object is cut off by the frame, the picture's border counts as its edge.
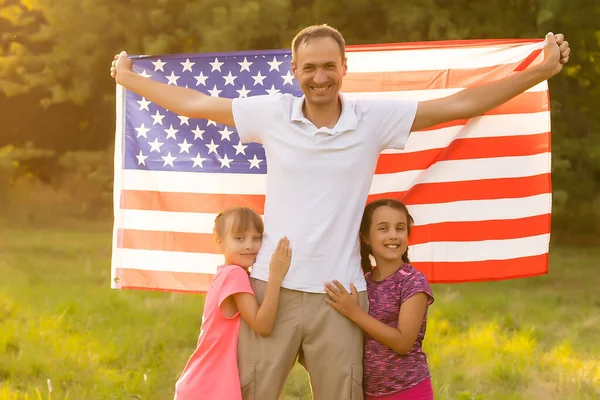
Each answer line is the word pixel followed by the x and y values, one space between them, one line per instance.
pixel 242 218
pixel 365 225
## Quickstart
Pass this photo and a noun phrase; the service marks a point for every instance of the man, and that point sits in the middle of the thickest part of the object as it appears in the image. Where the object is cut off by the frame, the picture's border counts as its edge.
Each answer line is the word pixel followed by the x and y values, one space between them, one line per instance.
pixel 322 149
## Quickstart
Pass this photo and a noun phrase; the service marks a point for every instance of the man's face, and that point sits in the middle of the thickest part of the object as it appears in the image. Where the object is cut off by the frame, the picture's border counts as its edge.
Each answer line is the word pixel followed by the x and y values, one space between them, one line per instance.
pixel 319 68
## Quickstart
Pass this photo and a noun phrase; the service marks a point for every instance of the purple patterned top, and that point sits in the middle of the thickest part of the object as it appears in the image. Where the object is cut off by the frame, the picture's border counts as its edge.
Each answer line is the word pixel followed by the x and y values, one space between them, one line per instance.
pixel 387 372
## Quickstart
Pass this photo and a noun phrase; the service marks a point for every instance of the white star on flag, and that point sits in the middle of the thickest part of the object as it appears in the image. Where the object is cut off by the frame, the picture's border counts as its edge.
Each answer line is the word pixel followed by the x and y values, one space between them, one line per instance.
pixel 185 146
pixel 142 130
pixel 158 117
pixel 225 134
pixel 216 65
pixel 141 158
pixel 198 161
pixel 171 132
pixel 245 65
pixel 243 92
pixel 212 147
pixel 168 159
pixel 201 79
pixel 144 104
pixel 288 78
pixel 258 79
pixel 172 78
pixel 229 79
pixel 240 148
pixel 272 91
pixel 214 92
pixel 187 65
pixel 155 146
pixel 198 133
pixel 274 65
pixel 254 162
pixel 158 65
pixel 225 161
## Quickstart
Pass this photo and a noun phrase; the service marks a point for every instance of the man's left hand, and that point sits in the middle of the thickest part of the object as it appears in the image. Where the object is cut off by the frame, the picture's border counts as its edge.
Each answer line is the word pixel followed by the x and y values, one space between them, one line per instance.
pixel 556 53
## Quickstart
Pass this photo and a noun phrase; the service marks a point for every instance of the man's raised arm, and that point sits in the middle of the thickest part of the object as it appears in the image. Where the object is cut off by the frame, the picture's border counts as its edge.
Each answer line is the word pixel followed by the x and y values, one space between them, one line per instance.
pixel 182 101
pixel 474 101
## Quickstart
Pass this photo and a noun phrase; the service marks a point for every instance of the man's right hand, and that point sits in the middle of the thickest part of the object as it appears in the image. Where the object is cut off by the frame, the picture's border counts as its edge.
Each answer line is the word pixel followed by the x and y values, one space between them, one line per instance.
pixel 180 100
pixel 281 259
pixel 120 64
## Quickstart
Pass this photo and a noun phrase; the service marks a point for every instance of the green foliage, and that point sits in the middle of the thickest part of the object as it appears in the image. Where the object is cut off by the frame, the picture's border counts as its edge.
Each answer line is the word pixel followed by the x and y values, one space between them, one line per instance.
pixel 576 122
pixel 39 187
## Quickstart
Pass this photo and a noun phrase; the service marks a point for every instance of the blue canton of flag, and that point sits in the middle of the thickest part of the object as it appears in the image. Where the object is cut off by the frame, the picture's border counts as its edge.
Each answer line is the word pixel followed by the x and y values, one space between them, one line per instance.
pixel 159 140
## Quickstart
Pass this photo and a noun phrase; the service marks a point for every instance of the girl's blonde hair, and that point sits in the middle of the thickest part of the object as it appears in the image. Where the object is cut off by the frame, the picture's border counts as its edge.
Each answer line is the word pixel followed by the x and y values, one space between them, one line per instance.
pixel 242 219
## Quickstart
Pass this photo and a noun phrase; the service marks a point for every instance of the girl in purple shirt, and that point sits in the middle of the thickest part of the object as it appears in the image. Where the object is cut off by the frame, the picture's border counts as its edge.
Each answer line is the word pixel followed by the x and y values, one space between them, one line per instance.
pixel 395 366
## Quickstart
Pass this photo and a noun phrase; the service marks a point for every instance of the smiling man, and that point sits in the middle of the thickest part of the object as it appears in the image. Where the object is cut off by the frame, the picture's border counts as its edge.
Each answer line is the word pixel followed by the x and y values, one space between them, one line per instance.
pixel 322 150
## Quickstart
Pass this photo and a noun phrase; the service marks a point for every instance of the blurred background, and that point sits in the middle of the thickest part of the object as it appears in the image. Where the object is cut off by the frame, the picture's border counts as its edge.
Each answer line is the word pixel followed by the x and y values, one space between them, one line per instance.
pixel 65 335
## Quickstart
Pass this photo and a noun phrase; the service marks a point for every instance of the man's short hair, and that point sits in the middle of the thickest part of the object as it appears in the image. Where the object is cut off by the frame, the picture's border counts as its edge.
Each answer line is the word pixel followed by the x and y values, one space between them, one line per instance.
pixel 317 31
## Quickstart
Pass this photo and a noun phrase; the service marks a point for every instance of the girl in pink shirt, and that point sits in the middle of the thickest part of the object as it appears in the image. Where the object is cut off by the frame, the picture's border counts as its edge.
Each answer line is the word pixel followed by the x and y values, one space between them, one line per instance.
pixel 212 371
pixel 395 366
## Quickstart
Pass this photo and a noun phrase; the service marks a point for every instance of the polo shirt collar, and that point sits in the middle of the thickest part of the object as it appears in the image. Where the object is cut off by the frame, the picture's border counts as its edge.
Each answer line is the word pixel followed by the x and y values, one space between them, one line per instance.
pixel 347 121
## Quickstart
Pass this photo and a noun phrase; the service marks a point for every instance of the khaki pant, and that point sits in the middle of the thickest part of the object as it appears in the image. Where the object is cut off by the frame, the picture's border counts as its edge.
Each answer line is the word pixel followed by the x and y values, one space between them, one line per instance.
pixel 327 344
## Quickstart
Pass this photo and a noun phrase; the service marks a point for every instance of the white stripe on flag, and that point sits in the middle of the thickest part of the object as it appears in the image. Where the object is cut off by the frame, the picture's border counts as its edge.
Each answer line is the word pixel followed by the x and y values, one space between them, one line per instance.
pixel 173 261
pixel 482 210
pixel 443 171
pixel 478 251
pixel 479 127
pixel 439 58
pixel 422 95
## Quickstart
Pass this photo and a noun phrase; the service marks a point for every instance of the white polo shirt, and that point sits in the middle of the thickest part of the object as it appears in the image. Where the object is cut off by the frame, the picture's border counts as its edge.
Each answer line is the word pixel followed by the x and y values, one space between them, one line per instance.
pixel 318 181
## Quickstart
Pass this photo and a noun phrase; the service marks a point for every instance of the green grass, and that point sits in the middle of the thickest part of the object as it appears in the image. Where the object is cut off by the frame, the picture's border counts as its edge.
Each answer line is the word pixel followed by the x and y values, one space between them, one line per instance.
pixel 61 326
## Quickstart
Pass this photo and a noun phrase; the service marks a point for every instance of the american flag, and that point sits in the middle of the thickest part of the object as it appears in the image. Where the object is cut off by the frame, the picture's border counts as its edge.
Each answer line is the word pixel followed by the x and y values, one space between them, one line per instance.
pixel 479 189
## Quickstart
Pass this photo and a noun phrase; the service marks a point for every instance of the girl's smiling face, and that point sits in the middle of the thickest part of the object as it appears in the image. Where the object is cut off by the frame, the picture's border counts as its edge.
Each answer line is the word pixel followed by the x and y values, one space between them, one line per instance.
pixel 388 235
pixel 241 248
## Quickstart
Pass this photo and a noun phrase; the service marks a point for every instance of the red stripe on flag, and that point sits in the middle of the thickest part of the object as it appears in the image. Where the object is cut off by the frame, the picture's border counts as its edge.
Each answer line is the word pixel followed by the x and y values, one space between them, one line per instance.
pixel 525 103
pixel 481 230
pixel 167 241
pixel 465 149
pixel 489 270
pixel 188 202
pixel 528 102
pixel 484 189
pixel 529 60
pixel 440 232
pixel 162 280
pixel 445 272
pixel 424 193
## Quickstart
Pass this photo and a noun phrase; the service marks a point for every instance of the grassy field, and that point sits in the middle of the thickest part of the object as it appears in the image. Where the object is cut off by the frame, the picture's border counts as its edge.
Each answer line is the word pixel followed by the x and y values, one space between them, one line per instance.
pixel 65 335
